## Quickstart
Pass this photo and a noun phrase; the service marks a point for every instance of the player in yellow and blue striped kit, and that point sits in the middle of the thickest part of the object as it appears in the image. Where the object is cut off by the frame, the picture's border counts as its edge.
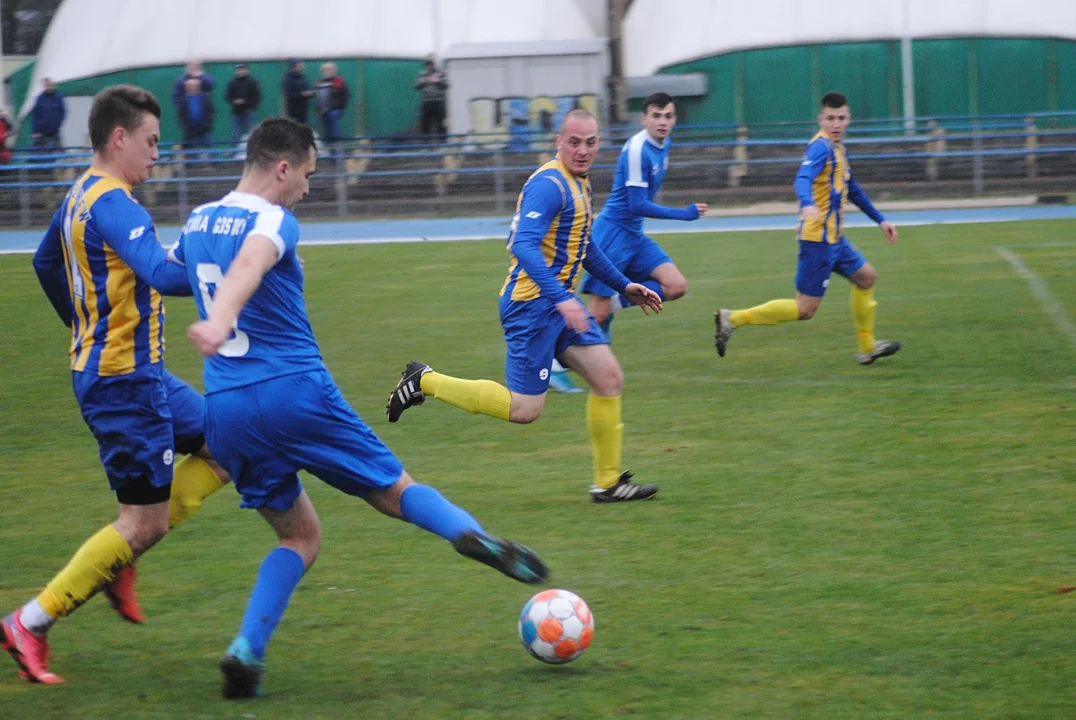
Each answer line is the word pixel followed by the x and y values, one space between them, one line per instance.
pixel 822 185
pixel 550 243
pixel 104 271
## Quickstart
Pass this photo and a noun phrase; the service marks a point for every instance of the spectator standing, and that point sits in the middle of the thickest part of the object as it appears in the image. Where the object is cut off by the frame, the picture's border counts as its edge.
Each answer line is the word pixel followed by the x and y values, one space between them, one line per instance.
pixel 194 71
pixel 432 86
pixel 297 92
pixel 47 117
pixel 196 115
pixel 244 95
pixel 332 97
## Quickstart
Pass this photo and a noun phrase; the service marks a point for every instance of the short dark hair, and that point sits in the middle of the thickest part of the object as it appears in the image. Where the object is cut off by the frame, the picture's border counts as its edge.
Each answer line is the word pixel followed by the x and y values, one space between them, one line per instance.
pixel 119 106
pixel 834 100
pixel 279 138
pixel 659 98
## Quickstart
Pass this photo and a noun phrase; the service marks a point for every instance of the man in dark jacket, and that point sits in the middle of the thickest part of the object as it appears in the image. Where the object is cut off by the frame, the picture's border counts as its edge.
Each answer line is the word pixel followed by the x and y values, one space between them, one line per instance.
pixel 432 86
pixel 195 115
pixel 332 95
pixel 297 92
pixel 243 95
pixel 46 118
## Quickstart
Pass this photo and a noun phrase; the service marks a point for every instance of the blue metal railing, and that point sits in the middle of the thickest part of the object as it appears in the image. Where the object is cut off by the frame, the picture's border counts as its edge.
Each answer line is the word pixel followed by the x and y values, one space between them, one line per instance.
pixel 499 155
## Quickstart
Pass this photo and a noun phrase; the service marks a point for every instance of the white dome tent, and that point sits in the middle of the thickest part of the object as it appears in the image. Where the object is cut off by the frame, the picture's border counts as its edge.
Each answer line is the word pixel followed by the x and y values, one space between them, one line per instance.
pixel 701 28
pixel 88 38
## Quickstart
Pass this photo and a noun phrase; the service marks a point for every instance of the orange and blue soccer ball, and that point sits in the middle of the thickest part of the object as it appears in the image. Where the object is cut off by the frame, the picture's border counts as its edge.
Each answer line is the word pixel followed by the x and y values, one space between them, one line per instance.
pixel 556 626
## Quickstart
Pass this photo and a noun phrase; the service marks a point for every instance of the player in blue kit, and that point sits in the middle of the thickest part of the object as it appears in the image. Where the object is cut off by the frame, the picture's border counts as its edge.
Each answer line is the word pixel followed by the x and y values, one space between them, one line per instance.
pixel 823 184
pixel 543 321
pixel 272 408
pixel 618 229
pixel 104 271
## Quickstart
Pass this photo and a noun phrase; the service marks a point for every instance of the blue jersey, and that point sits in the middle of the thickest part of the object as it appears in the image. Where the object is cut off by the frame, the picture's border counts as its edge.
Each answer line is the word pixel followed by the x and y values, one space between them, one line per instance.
pixel 642 164
pixel 101 265
pixel 273 336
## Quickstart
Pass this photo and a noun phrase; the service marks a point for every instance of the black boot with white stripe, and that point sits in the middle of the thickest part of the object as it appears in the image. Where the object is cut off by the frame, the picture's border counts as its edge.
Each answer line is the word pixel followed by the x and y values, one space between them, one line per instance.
pixel 623 491
pixel 408 391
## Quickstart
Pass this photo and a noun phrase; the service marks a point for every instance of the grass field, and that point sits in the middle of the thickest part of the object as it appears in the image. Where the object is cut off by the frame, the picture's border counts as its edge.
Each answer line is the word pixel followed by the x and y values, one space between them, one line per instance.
pixel 830 541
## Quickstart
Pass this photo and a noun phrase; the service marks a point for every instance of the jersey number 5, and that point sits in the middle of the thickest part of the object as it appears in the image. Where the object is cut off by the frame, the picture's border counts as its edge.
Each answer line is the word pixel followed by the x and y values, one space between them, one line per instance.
pixel 209 276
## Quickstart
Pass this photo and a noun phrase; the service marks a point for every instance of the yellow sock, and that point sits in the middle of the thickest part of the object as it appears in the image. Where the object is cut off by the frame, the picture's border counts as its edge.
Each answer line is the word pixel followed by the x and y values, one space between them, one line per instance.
pixel 484 397
pixel 863 306
pixel 92 568
pixel 774 312
pixel 606 437
pixel 192 482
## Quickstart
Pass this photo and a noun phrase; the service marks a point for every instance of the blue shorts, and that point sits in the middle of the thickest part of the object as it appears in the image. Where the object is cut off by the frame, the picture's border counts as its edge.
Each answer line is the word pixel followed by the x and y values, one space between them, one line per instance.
pixel 264 434
pixel 140 422
pixel 633 254
pixel 535 333
pixel 818 260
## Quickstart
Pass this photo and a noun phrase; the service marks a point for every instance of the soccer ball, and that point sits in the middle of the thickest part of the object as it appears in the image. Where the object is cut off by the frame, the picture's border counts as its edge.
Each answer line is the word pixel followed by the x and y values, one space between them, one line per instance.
pixel 556 626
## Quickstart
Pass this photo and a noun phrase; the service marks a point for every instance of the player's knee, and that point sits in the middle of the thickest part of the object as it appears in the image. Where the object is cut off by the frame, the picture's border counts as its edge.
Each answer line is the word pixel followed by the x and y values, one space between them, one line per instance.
pixel 806 310
pixel 609 383
pixel 525 415
pixel 306 544
pixel 866 280
pixel 675 289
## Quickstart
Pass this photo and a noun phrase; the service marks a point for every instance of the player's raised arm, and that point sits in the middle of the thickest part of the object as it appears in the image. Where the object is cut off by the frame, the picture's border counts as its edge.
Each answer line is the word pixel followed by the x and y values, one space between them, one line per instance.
pixel 51 273
pixel 542 201
pixel 128 230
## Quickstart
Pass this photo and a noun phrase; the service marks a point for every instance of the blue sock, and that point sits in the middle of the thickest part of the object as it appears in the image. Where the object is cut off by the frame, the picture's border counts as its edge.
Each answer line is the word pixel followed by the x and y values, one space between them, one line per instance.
pixel 422 505
pixel 280 572
pixel 652 284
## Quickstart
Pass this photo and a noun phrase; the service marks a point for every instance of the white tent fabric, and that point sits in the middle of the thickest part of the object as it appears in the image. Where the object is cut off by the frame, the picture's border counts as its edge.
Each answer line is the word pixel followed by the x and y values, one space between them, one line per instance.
pixel 658 33
pixel 92 37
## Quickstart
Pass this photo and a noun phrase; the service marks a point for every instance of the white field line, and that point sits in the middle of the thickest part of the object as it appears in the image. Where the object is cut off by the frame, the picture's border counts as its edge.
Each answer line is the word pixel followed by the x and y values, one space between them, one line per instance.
pixel 1042 293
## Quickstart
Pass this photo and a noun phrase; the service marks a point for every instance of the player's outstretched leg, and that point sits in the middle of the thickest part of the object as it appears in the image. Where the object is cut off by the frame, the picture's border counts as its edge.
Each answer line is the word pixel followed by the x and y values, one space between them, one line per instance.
pixel 773 312
pixel 425 507
pixel 483 397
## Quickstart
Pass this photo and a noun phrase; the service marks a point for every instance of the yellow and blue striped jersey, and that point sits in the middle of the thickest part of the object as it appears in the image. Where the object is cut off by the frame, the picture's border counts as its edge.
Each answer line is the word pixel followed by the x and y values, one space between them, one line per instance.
pixel 113 262
pixel 550 234
pixel 825 180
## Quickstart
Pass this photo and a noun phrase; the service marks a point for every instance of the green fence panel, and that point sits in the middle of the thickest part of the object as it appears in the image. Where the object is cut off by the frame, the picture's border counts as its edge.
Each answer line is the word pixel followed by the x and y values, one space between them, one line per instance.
pixel 861 71
pixel 1012 75
pixel 391 103
pixel 778 85
pixel 718 105
pixel 941 77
